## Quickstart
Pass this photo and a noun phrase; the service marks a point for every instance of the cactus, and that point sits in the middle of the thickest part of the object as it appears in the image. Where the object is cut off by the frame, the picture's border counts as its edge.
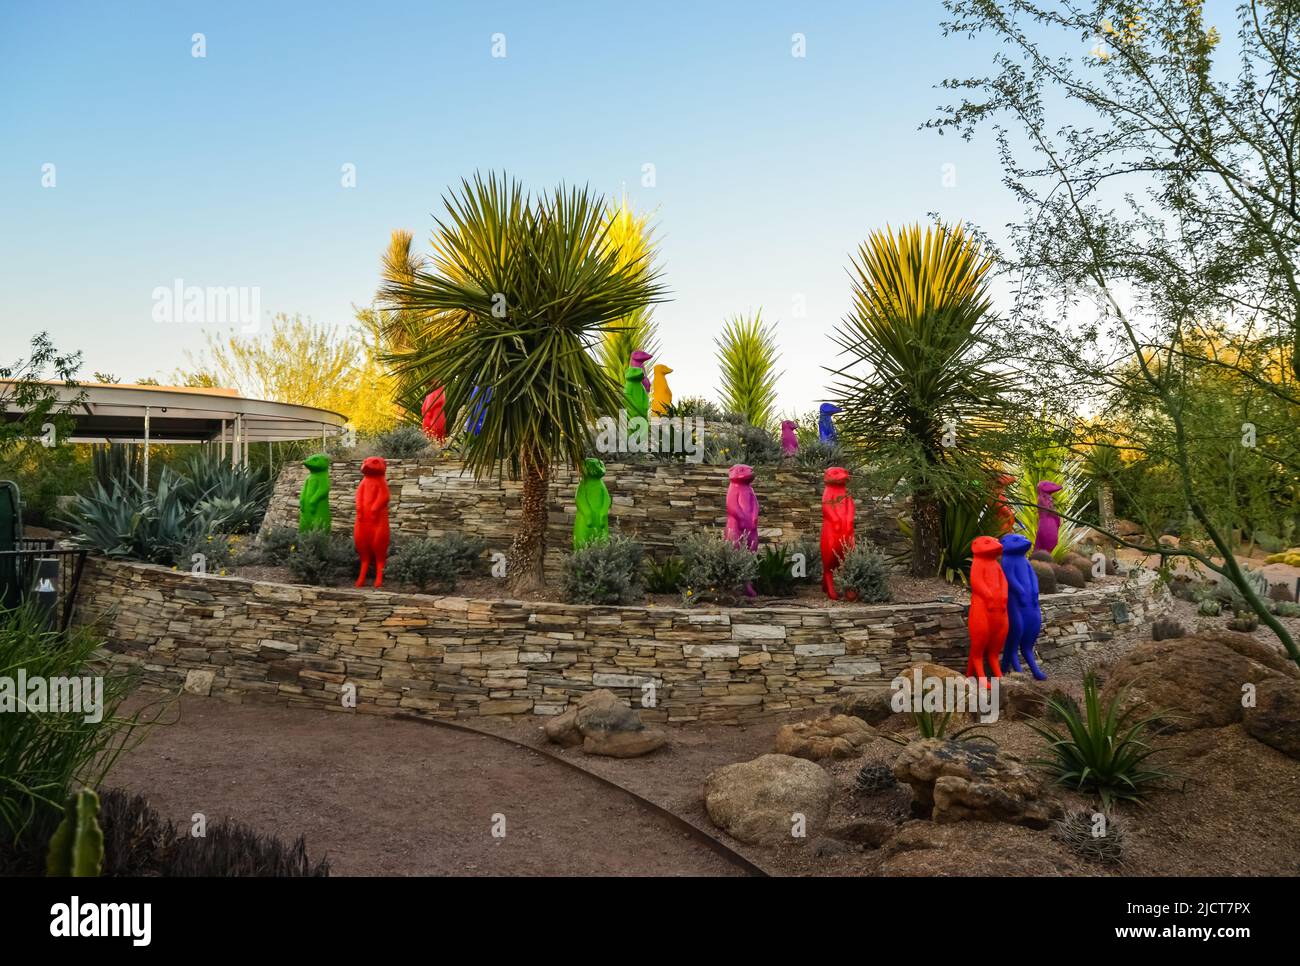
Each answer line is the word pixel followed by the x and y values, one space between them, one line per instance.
pixel 1209 607
pixel 77 846
pixel 1244 623
pixel 1166 628
pixel 1285 608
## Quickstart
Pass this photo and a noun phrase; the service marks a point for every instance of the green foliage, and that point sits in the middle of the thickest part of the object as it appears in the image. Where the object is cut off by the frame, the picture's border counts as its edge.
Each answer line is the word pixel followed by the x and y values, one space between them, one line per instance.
pixel 1209 607
pixel 1049 462
pixel 159 526
pixel 966 512
pixel 44 475
pixel 433 562
pixel 818 457
pixel 608 572
pixel 691 406
pixel 29 391
pixel 275 544
pixel 664 576
pixel 863 575
pixel 77 846
pixel 716 569
pixel 403 442
pixel 747 444
pixel 1101 750
pixel 237 496
pixel 43 756
pixel 775 571
pixel 322 558
pixel 747 357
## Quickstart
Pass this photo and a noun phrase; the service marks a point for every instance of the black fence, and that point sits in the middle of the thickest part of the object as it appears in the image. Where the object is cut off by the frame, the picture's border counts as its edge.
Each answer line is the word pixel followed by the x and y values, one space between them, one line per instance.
pixel 20 572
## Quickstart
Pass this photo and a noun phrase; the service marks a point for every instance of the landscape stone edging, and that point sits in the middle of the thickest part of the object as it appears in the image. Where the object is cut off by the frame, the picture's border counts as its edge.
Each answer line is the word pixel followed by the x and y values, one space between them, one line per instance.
pixel 263 642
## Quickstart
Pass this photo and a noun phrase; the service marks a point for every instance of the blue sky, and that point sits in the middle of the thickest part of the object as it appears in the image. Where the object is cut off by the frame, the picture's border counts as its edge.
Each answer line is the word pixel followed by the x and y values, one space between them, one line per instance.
pixel 225 170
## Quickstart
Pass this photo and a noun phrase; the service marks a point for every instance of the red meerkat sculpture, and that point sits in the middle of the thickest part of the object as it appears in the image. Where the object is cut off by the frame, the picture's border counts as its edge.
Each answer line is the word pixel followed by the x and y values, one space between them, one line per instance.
pixel 837 525
pixel 988 609
pixel 370 535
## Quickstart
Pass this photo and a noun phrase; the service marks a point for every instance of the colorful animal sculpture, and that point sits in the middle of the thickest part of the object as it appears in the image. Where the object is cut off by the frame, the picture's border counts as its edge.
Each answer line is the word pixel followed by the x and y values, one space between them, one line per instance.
pixel 591 525
pixel 837 525
pixel 370 534
pixel 1024 618
pixel 314 500
pixel 1049 521
pixel 742 511
pixel 663 395
pixel 987 622
pixel 825 426
pixel 636 402
pixel 477 410
pixel 789 441
pixel 638 361
pixel 1006 517
pixel 432 417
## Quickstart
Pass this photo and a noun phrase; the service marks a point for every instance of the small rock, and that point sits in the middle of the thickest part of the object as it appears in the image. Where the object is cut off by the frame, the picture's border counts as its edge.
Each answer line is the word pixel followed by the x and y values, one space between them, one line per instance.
pixel 603 724
pixel 839 736
pixel 972 781
pixel 872 707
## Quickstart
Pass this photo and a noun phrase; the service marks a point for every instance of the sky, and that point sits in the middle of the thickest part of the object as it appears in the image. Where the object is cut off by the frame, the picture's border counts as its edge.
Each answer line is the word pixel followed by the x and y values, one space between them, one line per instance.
pixel 128 163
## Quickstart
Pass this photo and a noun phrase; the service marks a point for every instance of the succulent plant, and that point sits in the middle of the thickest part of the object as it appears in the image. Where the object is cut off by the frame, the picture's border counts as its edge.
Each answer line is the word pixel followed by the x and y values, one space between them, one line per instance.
pixel 1166 628
pixel 77 845
pixel 1209 607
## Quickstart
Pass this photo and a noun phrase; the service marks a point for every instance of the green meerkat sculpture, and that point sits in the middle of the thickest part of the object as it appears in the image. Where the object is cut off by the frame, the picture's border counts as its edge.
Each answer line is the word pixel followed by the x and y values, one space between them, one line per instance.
pixel 591 525
pixel 314 501
pixel 636 401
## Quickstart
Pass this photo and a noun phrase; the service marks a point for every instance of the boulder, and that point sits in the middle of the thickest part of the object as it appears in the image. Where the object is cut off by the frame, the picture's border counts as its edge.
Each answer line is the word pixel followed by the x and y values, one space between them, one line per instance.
pixel 758 801
pixel 873 707
pixel 1195 682
pixel 603 724
pixel 1126 528
pixel 1022 697
pixel 1275 718
pixel 838 736
pixel 958 781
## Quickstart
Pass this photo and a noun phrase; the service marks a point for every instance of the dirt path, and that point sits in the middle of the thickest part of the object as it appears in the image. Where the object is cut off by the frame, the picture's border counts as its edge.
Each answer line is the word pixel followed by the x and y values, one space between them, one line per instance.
pixel 383 797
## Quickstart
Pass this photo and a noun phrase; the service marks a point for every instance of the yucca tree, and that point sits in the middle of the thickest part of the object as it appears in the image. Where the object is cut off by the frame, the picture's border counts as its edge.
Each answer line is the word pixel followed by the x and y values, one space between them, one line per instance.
pixel 516 294
pixel 747 357
pixel 919 392
pixel 631 235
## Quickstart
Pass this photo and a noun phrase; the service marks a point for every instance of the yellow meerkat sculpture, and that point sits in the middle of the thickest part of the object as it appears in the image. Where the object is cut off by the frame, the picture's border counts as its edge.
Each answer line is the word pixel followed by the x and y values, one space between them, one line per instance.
pixel 662 395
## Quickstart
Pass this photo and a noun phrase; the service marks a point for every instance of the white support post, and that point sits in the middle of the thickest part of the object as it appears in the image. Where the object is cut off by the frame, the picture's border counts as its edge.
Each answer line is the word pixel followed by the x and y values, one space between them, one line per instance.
pixel 146 450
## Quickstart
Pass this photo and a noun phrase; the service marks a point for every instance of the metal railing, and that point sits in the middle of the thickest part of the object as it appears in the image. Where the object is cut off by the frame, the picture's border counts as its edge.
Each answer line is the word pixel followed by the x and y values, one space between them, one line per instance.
pixel 20 568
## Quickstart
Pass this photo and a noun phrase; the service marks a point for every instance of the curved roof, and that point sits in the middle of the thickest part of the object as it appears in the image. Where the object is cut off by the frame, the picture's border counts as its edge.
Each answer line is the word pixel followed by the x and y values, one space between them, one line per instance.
pixel 115 413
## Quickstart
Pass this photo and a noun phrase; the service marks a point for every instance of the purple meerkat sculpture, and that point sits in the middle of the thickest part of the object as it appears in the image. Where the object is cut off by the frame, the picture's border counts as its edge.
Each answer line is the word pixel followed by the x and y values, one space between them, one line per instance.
pixel 1049 521
pixel 742 511
pixel 639 359
pixel 789 441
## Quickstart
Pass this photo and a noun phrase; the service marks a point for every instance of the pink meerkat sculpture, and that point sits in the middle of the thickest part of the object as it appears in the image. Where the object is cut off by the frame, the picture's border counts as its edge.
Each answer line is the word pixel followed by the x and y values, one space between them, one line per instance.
pixel 742 511
pixel 789 441
pixel 639 359
pixel 1049 521
pixel 370 535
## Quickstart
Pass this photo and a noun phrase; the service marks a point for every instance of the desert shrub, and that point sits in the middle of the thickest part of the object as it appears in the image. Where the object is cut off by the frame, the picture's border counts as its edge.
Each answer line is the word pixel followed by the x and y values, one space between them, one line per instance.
pixel 437 562
pixel 1098 836
pixel 1281 593
pixel 1244 623
pixel 809 544
pixel 816 456
pixel 1061 699
pixel 692 406
pixel 275 545
pixel 1209 607
pixel 402 442
pixel 1068 576
pixel 608 572
pixel 864 573
pixel 1100 750
pixel 775 571
pixel 664 576
pixel 44 756
pixel 322 558
pixel 716 569
pixel 220 552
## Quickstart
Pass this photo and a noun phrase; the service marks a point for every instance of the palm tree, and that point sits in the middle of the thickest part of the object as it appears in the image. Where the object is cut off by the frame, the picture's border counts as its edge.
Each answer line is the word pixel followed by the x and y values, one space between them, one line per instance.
pixel 928 397
pixel 632 236
pixel 515 296
pixel 747 356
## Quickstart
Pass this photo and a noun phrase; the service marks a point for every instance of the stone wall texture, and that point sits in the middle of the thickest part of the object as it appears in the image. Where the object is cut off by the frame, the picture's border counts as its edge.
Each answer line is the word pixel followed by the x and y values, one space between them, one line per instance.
pixel 250 641
pixel 654 502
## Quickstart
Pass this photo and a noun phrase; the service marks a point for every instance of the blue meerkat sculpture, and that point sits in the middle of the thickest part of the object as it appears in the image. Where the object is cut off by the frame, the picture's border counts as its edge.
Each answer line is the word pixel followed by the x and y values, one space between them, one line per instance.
pixel 1024 617
pixel 825 427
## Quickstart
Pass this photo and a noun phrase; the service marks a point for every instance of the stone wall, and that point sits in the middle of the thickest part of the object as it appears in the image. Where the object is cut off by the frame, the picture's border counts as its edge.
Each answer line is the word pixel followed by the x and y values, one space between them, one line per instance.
pixel 655 502
pixel 248 641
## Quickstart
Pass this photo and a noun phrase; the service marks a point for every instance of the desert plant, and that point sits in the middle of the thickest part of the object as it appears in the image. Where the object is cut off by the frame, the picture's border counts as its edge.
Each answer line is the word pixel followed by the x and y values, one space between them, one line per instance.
pixel 747 357
pixel 116 463
pixel 630 235
pixel 235 495
pixel 323 559
pixel 1099 836
pixel 1209 607
pixel 775 571
pixel 77 846
pixel 1050 462
pixel 1286 608
pixel 275 544
pixel 1166 628
pixel 863 575
pixel 1067 576
pixel 818 457
pixel 691 406
pixel 920 367
pixel 874 777
pixel 518 291
pixel 1244 623
pixel 664 576
pixel 1062 699
pixel 1101 750
pixel 435 562
pixel 756 446
pixel 716 569
pixel 1046 574
pixel 608 572
pixel 403 442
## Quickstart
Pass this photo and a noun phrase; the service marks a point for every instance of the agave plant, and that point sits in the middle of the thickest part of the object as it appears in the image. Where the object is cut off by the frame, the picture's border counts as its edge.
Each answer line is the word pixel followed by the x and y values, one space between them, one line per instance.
pixel 921 391
pixel 630 236
pixel 517 295
pixel 237 496
pixel 747 356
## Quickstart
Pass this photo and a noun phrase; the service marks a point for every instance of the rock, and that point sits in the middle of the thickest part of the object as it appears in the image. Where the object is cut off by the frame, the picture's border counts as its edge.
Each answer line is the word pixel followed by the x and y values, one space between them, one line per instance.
pixel 758 801
pixel 839 736
pixel 825 848
pixel 920 848
pixel 1126 528
pixel 960 781
pixel 872 832
pixel 872 707
pixel 1195 682
pixel 1169 540
pixel 1022 697
pixel 604 725
pixel 1275 719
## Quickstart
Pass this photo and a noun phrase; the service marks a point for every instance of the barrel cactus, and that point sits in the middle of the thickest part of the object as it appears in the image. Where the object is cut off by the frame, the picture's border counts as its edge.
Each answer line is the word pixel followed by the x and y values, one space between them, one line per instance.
pixel 77 846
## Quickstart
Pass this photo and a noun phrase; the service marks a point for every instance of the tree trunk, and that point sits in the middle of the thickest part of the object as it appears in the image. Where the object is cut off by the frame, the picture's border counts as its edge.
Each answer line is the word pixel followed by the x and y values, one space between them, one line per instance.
pixel 927 530
pixel 1106 506
pixel 527 554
